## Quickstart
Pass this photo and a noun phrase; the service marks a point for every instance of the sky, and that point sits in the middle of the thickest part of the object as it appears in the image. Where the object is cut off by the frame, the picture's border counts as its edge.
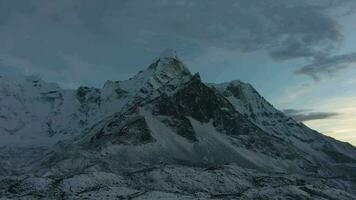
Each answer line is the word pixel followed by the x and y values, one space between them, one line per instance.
pixel 300 55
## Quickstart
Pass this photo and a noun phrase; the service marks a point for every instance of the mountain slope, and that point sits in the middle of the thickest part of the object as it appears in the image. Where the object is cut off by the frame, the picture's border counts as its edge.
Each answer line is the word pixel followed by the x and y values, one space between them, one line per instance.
pixel 249 102
pixel 36 113
pixel 164 134
pixel 188 124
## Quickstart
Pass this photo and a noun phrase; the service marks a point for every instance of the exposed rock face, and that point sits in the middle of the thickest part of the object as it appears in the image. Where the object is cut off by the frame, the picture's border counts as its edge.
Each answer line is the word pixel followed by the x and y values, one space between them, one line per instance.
pixel 164 134
pixel 247 101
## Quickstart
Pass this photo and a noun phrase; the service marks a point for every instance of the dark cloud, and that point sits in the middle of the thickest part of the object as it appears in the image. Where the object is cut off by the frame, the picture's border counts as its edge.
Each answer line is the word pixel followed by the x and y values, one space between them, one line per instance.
pixel 328 66
pixel 8 8
pixel 285 28
pixel 91 13
pixel 108 34
pixel 308 115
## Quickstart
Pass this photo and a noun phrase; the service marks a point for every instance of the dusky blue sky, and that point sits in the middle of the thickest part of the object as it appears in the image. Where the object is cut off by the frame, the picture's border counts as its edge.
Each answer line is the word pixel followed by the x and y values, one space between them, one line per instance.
pixel 300 55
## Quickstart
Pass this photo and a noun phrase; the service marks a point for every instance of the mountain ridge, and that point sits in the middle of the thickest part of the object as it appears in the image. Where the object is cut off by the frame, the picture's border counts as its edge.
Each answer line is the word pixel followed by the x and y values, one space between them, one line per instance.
pixel 161 123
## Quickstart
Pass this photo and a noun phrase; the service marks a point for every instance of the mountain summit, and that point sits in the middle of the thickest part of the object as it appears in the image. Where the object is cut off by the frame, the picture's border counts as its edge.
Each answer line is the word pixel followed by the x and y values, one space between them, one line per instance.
pixel 163 134
pixel 168 54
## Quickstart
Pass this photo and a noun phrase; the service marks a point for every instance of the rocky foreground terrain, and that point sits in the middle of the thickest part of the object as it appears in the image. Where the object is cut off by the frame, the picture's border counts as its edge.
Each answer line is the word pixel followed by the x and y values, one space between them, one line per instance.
pixel 163 134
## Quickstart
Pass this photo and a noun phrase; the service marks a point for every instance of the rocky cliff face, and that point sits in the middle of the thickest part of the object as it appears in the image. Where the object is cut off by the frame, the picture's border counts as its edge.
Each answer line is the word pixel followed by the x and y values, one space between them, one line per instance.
pixel 252 105
pixel 163 134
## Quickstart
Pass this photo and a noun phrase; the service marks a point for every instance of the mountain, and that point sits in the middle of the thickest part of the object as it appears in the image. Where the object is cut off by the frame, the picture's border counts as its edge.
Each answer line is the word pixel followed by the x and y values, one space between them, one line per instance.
pixel 253 106
pixel 37 113
pixel 163 134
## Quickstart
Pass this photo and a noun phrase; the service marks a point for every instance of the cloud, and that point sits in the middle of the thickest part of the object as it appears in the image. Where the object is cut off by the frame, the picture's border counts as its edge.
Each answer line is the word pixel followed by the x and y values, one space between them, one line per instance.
pixel 285 28
pixel 328 66
pixel 308 115
pixel 16 63
pixel 111 32
pixel 294 93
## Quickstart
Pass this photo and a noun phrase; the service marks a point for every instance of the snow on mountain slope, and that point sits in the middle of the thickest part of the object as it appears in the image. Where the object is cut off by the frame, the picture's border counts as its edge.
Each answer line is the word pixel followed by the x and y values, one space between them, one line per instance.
pixel 191 125
pixel 163 134
pixel 250 103
pixel 33 112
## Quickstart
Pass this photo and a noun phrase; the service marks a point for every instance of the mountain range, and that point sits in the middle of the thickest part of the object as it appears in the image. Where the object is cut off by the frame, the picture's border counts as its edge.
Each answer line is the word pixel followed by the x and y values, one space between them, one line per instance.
pixel 162 134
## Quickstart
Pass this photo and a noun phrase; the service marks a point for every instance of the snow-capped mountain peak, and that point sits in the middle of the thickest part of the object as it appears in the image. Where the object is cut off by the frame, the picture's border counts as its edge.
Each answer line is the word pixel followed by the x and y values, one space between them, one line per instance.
pixel 168 54
pixel 165 130
pixel 245 98
pixel 167 68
